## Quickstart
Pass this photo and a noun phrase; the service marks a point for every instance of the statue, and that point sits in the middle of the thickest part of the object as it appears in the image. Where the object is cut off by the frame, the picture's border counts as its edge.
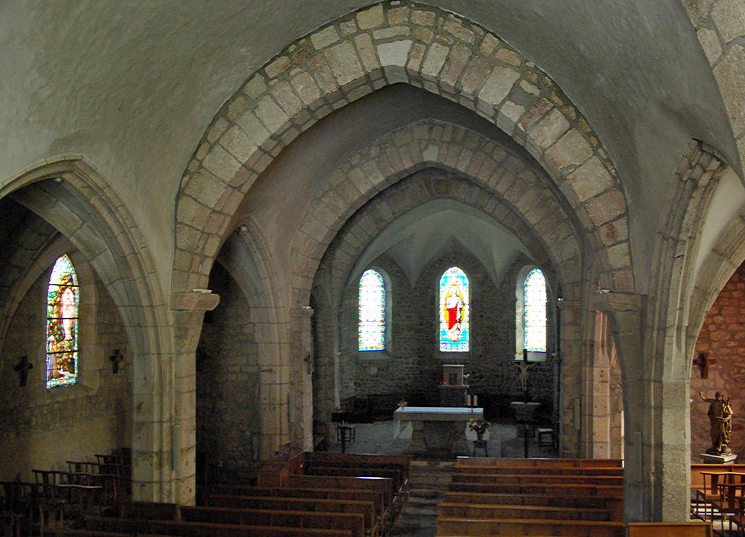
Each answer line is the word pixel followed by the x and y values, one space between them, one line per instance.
pixel 720 418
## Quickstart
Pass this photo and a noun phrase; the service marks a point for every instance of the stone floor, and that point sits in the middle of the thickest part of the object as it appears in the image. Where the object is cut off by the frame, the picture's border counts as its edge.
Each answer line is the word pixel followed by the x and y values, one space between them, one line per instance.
pixel 502 441
pixel 430 478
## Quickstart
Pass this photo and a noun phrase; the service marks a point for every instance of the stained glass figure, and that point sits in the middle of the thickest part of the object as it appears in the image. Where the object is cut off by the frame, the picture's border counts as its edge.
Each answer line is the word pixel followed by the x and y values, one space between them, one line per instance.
pixel 454 311
pixel 534 289
pixel 62 324
pixel 371 327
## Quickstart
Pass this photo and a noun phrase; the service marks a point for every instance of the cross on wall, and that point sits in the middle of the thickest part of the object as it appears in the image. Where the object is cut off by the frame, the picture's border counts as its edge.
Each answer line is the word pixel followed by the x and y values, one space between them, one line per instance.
pixel 703 362
pixel 23 367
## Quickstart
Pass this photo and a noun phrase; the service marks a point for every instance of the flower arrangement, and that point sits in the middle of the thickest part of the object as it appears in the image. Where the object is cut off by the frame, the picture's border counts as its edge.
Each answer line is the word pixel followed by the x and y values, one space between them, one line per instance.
pixel 478 426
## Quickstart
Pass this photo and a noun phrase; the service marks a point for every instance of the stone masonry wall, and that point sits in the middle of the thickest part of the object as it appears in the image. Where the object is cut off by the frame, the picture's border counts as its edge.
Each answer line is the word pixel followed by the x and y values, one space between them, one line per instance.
pixel 228 412
pixel 43 428
pixel 722 338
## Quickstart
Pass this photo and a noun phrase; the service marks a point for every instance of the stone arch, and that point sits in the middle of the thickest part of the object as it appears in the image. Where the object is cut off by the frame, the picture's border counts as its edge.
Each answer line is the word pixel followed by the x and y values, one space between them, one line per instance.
pixel 75 199
pixel 547 231
pixel 362 52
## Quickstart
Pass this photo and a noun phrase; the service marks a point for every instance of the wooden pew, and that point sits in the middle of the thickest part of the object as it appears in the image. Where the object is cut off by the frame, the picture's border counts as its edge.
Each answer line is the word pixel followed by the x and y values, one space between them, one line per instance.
pixel 345 505
pixel 397 467
pixel 201 529
pixel 519 470
pixel 400 489
pixel 117 525
pixel 457 510
pixel 603 491
pixel 447 527
pixel 382 514
pixel 539 478
pixel 383 485
pixel 614 505
pixel 149 510
pixel 670 529
pixel 71 532
pixel 354 522
pixel 356 460
pixel 466 462
pixel 114 527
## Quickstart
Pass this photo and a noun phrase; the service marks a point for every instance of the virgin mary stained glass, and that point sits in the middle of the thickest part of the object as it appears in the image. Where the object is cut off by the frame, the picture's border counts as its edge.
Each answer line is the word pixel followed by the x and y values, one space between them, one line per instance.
pixel 371 326
pixel 454 311
pixel 62 324
pixel 534 290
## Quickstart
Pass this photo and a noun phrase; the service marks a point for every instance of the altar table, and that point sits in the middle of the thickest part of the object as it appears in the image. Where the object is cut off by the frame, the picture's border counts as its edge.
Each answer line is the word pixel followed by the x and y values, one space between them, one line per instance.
pixel 436 430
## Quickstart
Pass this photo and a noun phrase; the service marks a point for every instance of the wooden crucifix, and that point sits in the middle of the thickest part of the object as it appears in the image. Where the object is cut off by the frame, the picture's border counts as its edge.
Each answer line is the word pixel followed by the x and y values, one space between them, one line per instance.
pixel 703 362
pixel 524 367
pixel 23 366
pixel 116 359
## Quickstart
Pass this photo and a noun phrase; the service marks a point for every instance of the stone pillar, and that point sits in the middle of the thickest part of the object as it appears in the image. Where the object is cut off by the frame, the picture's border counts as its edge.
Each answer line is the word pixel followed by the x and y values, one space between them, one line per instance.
pixel 181 439
pixel 272 341
pixel 301 387
pixel 600 413
pixel 675 449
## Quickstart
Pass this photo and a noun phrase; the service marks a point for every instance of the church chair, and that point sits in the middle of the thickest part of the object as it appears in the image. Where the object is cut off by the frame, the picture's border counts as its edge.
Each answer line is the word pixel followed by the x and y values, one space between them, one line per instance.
pixel 728 503
pixel 708 494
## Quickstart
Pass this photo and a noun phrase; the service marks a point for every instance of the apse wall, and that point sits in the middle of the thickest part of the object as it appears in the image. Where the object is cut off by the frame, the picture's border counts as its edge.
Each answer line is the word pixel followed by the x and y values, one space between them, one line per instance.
pixel 411 367
pixel 42 428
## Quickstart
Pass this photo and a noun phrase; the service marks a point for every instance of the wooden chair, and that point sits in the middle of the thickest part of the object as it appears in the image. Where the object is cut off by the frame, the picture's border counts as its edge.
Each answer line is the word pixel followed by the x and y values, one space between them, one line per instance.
pixel 708 494
pixel 728 503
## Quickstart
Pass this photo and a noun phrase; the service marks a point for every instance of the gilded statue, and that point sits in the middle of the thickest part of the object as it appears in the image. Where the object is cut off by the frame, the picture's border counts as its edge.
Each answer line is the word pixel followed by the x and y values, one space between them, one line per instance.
pixel 720 419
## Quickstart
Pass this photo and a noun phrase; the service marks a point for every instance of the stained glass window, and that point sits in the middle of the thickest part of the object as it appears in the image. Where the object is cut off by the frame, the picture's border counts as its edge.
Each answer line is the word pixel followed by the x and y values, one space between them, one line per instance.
pixel 371 327
pixel 534 289
pixel 454 311
pixel 62 324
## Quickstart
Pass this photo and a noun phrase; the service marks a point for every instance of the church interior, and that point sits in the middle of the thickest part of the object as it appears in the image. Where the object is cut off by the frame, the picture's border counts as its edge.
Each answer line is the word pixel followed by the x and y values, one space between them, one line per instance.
pixel 193 194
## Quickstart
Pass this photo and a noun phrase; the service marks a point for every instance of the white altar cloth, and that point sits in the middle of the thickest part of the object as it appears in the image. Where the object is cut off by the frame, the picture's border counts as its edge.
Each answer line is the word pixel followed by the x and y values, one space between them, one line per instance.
pixel 433 413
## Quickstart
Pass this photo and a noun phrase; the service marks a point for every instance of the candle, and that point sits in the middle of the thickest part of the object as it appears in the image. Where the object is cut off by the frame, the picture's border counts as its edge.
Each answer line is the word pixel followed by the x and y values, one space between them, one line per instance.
pixel 475 400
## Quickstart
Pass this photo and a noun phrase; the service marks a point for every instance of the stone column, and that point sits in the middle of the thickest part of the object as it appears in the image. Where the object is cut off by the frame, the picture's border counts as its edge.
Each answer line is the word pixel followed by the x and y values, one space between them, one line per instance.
pixel 181 440
pixel 301 387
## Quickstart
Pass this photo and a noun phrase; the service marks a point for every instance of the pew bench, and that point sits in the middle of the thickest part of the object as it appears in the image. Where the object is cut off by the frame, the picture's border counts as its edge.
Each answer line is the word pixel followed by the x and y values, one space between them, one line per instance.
pixel 546 479
pixel 505 462
pixel 458 510
pixel 447 527
pixel 201 529
pixel 366 508
pixel 354 522
pixel 670 529
pixel 382 515
pixel 519 470
pixel 603 491
pixel 614 505
pixel 383 485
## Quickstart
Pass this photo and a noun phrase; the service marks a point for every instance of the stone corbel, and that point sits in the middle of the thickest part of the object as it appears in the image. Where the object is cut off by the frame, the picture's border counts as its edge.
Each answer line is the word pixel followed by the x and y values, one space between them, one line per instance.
pixel 610 301
pixel 196 300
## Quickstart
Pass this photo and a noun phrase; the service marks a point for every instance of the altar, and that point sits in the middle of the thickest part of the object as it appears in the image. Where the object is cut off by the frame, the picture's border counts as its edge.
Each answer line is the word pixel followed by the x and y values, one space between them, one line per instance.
pixel 436 430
